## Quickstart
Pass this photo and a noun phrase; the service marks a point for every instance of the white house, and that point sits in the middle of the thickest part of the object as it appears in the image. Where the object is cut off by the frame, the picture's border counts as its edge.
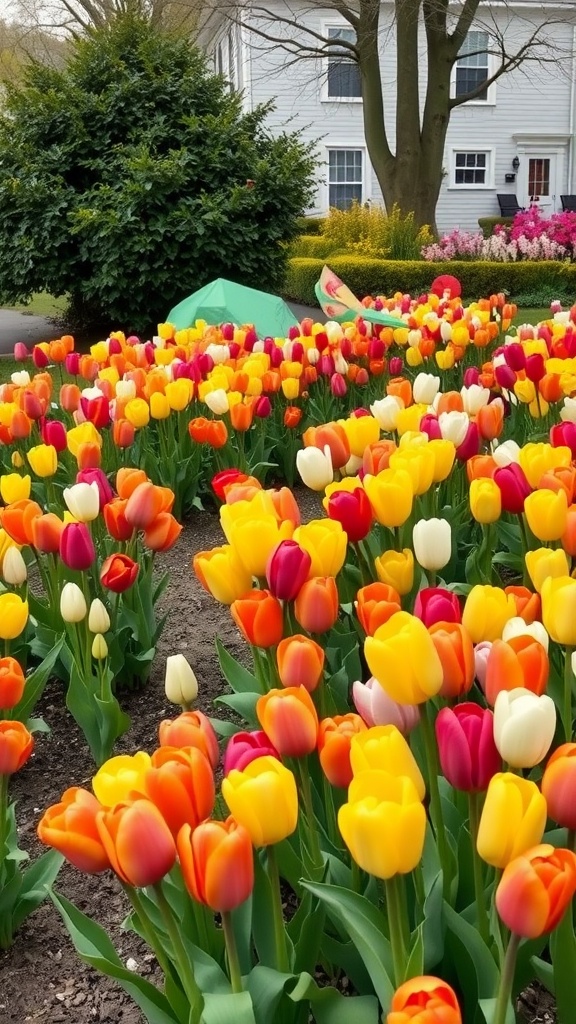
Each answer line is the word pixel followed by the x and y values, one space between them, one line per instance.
pixel 517 137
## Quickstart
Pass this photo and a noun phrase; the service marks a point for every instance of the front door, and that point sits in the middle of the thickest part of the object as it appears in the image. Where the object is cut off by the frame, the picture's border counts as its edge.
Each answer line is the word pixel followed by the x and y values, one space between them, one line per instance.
pixel 538 182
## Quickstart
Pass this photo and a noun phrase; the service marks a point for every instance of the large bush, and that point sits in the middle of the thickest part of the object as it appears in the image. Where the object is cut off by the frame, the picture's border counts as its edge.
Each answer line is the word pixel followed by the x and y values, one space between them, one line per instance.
pixel 133 177
pixel 371 231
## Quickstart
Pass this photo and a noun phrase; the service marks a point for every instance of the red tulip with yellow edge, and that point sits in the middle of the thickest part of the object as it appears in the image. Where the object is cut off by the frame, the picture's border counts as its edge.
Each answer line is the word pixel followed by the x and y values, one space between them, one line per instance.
pixel 259 618
pixel 300 662
pixel 456 652
pixel 317 604
pixel 536 889
pixel 264 799
pixel 424 1000
pixel 137 841
pixel 384 748
pixel 375 604
pixel 289 719
pixel 519 662
pixel 180 784
pixel 335 736
pixel 70 828
pixel 217 863
pixel 190 729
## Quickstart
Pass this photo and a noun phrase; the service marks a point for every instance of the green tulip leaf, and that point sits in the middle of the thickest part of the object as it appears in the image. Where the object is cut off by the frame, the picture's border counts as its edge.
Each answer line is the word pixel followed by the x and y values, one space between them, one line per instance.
pixel 488 1009
pixel 35 684
pixel 243 704
pixel 544 972
pixel 225 729
pixel 36 881
pixel 267 989
pixel 415 965
pixel 366 927
pixel 238 678
pixel 563 957
pixel 330 1007
pixel 95 948
pixel 234 1006
pixel 471 960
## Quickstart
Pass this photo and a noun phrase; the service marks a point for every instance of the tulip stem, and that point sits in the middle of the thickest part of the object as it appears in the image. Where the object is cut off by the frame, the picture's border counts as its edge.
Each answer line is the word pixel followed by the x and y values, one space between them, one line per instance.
pixel 481 913
pixel 525 547
pixel 365 573
pixel 148 929
pixel 431 574
pixel 232 952
pixel 397 927
pixel 277 915
pixel 182 962
pixel 306 789
pixel 567 711
pixel 506 981
pixel 435 799
pixel 3 818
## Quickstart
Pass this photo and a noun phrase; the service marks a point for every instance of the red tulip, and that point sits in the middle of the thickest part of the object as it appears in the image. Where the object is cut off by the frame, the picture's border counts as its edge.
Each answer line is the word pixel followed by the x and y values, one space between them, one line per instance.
pixel 287 570
pixel 353 510
pixel 514 487
pixel 468 754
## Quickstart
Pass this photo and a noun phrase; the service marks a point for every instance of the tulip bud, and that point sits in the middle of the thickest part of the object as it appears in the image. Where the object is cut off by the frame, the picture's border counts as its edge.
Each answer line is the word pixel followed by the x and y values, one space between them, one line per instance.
pixel 432 540
pixel 83 501
pixel 99 647
pixel 315 467
pixel 180 683
pixel 524 726
pixel 98 618
pixel 72 603
pixel 14 569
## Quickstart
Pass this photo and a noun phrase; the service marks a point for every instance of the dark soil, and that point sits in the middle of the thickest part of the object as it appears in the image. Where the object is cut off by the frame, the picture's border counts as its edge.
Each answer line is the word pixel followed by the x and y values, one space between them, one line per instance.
pixel 41 977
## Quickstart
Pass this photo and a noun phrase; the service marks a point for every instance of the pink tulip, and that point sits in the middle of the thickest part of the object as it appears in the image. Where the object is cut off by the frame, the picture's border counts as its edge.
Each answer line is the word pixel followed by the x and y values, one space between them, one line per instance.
pixel 375 707
pixel 481 653
pixel 245 747
pixel 468 754
pixel 76 546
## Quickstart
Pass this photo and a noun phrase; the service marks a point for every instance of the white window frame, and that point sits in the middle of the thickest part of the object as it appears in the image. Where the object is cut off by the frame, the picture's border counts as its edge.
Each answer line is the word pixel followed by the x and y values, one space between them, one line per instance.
pixel 366 178
pixel 490 100
pixel 490 161
pixel 324 97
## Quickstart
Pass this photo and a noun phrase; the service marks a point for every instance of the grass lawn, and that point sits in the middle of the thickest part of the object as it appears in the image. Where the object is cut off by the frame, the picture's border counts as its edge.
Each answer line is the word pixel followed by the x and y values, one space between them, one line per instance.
pixel 42 304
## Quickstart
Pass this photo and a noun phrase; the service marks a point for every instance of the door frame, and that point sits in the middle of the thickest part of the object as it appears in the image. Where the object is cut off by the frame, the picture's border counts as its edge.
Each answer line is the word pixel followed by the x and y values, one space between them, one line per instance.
pixel 553 148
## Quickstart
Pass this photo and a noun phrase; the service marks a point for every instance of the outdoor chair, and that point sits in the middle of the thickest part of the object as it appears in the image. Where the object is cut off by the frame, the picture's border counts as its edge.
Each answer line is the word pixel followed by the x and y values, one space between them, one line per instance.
pixel 508 203
pixel 568 203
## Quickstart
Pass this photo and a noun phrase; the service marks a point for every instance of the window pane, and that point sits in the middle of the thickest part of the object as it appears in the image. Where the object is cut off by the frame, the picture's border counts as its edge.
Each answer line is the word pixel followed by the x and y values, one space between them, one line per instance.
pixel 468 79
pixel 343 78
pixel 474 47
pixel 470 168
pixel 460 159
pixel 342 196
pixel 539 177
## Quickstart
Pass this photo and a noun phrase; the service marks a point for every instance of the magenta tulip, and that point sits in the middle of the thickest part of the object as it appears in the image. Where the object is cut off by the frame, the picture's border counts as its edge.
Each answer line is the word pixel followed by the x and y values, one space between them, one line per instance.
pixel 514 487
pixel 564 434
pixel 287 570
pixel 245 747
pixel 470 445
pixel 435 604
pixel 515 356
pixel 76 546
pixel 396 366
pixel 468 754
pixel 505 376
pixel 72 363
pixel 54 433
pixel 430 425
pixel 21 352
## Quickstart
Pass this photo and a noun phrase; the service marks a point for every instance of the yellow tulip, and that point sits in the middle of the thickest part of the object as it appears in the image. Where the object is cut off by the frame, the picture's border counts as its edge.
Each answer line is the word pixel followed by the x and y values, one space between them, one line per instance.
pixel 445 358
pixel 383 824
pixel 179 393
pixel 137 412
pixel 413 439
pixel 14 487
pixel 290 388
pixel 260 505
pixel 444 453
pixel 538 408
pixel 525 391
pixel 396 569
pixel 13 616
pixel 486 612
pixel 559 609
pixel 536 459
pixel 383 747
pixel 485 500
pixel 120 776
pixel 402 656
pixel 390 495
pixel 361 431
pixel 254 539
pixel 84 433
pixel 264 799
pixel 547 513
pixel 546 563
pixel 163 356
pixel 159 406
pixel 409 419
pixel 420 465
pixel 325 541
pixel 222 574
pixel 43 459
pixel 414 357
pixel 513 819
pixel 99 352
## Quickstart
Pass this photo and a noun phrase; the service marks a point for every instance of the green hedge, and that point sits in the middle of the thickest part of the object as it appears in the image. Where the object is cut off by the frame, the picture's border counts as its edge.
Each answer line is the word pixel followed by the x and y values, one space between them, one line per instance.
pixel 384 277
pixel 488 224
pixel 311 225
pixel 316 246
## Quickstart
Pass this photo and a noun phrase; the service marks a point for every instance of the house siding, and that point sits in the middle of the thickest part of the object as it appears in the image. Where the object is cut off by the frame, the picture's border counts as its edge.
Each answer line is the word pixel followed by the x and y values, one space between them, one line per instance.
pixel 530 115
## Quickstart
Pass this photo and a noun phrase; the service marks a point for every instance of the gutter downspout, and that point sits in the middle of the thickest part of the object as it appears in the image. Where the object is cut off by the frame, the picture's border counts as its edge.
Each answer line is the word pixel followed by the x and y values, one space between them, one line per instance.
pixel 571 124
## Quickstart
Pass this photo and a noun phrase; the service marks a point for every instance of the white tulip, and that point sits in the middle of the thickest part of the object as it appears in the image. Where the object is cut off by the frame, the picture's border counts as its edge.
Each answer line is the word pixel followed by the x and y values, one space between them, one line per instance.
pixel 91 393
pixel 99 647
pixel 376 708
pixel 474 398
pixel 219 353
pixel 315 467
pixel 568 411
pixel 98 618
pixel 454 426
pixel 500 359
pixel 432 542
pixel 386 411
pixel 352 466
pixel 14 568
pixel 524 726
pixel 425 388
pixel 180 683
pixel 340 364
pixel 21 378
pixel 125 390
pixel 83 501
pixel 506 453
pixel 72 603
pixel 333 331
pixel 446 331
pixel 313 355
pixel 217 401
pixel 517 627
pixel 414 338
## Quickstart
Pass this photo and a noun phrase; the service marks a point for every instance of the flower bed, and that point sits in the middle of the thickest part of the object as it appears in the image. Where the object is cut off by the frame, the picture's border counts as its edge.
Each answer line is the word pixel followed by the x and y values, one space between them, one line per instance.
pixel 404 761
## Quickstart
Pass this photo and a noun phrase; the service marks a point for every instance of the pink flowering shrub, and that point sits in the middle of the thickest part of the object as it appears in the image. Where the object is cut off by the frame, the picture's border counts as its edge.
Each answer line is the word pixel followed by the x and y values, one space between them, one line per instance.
pixel 531 237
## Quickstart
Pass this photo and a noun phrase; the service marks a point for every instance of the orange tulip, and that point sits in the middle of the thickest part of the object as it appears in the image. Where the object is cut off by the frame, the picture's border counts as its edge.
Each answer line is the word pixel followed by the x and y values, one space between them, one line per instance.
pixel 190 729
pixel 123 433
pixel 424 1000
pixel 89 455
pixel 70 397
pixel 560 478
pixel 375 604
pixel 198 429
pixel 550 388
pixel 20 425
pixel 162 533
pixel 217 863
pixel 518 662
pixel 334 738
pixel 317 604
pixel 45 532
pixel 285 505
pixel 114 513
pixel 128 478
pixel 456 652
pixel 568 538
pixel 333 435
pixel 292 415
pixel 289 719
pixel 180 784
pixel 217 433
pixel 241 416
pixel 144 505
pixel 528 605
pixel 17 519
pixel 559 785
pixel 536 889
pixel 377 456
pixel 70 828
pixel 12 682
pixel 16 745
pixel 401 388
pixel 259 618
pixel 138 842
pixel 480 466
pixel 449 401
pixel 300 662
pixel 490 420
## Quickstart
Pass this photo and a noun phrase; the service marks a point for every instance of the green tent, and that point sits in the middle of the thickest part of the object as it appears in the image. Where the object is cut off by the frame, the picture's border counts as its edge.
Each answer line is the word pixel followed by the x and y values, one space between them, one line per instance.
pixel 223 301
